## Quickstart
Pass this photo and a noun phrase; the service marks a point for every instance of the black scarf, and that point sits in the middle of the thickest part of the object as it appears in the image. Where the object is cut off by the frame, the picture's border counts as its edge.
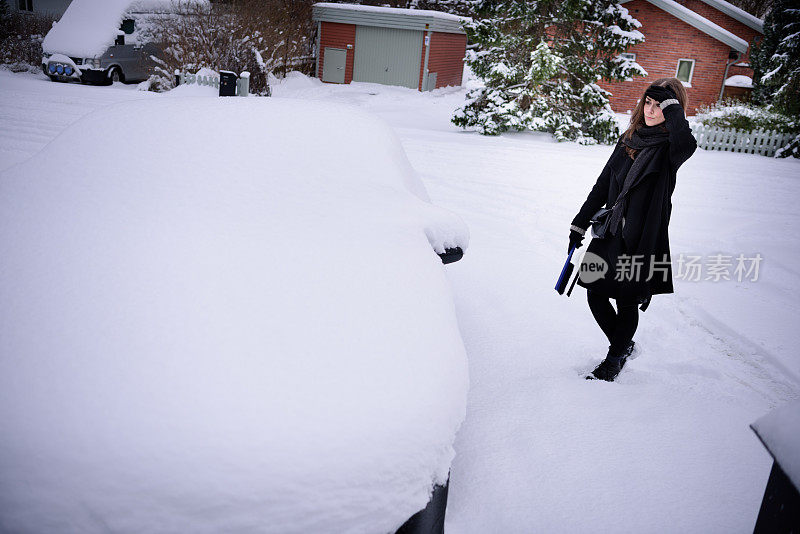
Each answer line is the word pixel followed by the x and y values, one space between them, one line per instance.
pixel 648 141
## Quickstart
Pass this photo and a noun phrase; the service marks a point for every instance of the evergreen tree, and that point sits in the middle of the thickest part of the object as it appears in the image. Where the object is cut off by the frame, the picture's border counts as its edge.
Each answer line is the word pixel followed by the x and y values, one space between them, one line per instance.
pixel 776 66
pixel 540 62
pixel 4 20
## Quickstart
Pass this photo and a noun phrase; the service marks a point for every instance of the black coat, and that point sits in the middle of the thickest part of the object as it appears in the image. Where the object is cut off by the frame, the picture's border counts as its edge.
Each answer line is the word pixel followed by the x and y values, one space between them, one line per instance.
pixel 646 219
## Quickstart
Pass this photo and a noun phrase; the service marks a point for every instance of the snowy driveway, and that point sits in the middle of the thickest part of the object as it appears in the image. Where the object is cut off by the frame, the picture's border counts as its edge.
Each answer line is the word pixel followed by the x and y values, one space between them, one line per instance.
pixel 667 447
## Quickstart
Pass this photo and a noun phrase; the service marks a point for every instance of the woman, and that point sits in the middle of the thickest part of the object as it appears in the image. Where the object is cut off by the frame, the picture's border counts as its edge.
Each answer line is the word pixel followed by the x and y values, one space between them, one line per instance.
pixel 637 182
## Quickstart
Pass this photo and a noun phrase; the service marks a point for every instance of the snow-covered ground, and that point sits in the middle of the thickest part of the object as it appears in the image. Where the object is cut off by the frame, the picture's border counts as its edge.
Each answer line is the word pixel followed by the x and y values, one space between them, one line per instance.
pixel 665 448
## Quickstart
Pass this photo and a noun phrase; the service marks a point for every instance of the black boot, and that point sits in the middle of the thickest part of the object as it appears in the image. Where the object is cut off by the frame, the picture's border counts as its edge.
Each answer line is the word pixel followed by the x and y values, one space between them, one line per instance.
pixel 610 367
pixel 629 349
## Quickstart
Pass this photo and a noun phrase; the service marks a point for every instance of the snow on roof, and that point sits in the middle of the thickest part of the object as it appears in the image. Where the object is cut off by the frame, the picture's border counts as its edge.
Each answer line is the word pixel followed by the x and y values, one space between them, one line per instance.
pixel 396 10
pixel 779 431
pixel 739 80
pixel 89 27
pixel 737 13
pixel 390 17
pixel 701 23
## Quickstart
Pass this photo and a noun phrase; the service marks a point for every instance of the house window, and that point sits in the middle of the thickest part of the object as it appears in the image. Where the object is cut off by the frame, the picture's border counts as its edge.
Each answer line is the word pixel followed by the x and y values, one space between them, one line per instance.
pixel 26 5
pixel 628 55
pixel 685 70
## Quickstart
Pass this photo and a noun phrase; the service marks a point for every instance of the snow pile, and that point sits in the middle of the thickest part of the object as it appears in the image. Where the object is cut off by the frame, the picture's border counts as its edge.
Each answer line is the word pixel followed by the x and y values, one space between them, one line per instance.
pixel 89 27
pixel 779 430
pixel 431 109
pixel 739 80
pixel 230 318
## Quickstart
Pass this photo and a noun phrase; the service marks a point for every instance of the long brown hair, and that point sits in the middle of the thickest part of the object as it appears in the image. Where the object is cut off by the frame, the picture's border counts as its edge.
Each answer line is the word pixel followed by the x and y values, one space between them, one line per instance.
pixel 637 117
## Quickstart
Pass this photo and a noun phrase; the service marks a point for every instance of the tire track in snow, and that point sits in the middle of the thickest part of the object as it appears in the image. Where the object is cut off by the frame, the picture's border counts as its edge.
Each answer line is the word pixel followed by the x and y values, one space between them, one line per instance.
pixel 743 349
pixel 34 111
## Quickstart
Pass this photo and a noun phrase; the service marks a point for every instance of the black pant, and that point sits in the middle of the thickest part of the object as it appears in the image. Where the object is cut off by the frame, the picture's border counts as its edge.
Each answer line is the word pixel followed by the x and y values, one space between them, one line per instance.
pixel 619 326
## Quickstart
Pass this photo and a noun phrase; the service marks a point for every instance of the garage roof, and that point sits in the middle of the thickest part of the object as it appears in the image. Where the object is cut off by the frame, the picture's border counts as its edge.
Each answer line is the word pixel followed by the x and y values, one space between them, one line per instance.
pixel 389 17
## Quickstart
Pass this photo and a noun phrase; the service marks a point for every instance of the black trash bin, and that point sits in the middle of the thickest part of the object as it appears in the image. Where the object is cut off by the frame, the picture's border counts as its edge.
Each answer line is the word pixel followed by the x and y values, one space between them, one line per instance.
pixel 227 83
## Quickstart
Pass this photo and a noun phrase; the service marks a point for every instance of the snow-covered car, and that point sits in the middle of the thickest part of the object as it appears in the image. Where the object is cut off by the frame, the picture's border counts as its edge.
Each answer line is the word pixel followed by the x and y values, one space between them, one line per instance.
pixel 229 317
pixel 104 41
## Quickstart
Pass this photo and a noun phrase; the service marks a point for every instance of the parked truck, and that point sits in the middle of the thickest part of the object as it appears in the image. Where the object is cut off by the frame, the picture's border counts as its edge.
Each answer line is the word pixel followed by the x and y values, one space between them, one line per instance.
pixel 104 41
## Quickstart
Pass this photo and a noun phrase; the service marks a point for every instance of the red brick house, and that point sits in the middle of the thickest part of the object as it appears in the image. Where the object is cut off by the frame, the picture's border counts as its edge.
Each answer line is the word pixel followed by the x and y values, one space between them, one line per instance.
pixel 703 43
pixel 413 48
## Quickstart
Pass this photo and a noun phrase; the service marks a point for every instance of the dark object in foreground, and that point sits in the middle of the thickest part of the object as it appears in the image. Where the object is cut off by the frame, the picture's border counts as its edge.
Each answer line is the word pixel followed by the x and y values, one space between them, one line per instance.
pixel 779 432
pixel 451 254
pixel 780 509
pixel 430 520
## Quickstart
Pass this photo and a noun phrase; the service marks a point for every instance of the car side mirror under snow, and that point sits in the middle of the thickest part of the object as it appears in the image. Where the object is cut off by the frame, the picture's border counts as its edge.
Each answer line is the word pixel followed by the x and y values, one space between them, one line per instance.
pixel 451 255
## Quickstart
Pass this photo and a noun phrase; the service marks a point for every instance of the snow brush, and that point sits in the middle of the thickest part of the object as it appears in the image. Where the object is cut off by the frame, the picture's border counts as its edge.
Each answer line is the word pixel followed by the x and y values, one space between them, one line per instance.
pixel 566 272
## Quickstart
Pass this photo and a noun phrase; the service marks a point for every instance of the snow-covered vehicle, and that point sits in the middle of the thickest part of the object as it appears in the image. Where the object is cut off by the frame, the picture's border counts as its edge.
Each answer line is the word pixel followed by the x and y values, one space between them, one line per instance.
pixel 103 41
pixel 232 318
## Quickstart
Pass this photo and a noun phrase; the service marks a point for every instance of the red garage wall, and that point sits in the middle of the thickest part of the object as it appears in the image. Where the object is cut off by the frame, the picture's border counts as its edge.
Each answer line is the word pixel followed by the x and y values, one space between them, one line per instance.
pixel 668 39
pixel 447 58
pixel 336 35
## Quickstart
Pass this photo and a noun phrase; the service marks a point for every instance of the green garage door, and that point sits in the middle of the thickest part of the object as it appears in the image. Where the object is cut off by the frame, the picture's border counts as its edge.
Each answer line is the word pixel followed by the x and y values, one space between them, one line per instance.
pixel 388 56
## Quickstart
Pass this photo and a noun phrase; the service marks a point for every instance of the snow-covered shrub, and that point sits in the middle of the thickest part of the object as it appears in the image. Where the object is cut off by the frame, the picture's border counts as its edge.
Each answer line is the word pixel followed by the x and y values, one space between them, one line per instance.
pixel 253 35
pixel 743 116
pixel 155 83
pixel 792 148
pixel 21 37
pixel 750 117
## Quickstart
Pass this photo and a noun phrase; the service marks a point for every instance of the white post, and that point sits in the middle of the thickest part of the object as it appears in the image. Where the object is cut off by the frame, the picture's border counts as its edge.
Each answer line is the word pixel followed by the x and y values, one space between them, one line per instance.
pixel 427 37
pixel 243 84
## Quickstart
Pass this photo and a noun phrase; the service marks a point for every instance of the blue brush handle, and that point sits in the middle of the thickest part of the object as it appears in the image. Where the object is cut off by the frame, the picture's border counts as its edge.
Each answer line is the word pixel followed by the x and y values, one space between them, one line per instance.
pixel 564 269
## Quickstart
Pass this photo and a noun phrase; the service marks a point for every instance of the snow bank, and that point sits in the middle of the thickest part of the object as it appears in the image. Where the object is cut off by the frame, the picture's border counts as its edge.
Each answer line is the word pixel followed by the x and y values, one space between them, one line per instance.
pixel 230 318
pixel 779 430
pixel 89 27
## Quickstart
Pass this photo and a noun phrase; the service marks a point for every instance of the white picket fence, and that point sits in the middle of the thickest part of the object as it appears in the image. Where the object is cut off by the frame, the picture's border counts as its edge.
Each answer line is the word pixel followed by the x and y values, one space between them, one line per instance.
pixel 187 78
pixel 761 142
